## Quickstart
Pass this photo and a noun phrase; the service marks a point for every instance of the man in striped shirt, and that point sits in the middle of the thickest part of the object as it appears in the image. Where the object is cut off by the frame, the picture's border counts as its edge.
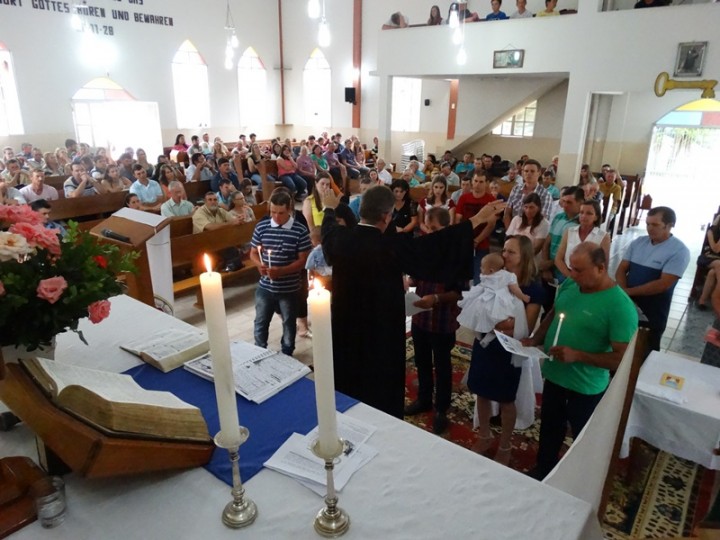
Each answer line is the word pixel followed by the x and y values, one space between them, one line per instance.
pixel 281 246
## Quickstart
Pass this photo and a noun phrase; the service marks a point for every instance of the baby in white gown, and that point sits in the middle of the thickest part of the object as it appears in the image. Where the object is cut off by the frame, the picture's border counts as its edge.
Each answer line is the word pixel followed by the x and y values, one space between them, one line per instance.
pixel 492 300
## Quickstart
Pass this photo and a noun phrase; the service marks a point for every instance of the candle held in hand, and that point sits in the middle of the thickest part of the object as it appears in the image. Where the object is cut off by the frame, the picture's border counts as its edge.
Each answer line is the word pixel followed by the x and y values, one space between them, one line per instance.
pixel 319 311
pixel 212 293
pixel 557 331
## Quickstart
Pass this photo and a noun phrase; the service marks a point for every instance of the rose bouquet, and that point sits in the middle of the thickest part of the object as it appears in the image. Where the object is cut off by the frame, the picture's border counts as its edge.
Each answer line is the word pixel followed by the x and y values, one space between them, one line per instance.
pixel 47 284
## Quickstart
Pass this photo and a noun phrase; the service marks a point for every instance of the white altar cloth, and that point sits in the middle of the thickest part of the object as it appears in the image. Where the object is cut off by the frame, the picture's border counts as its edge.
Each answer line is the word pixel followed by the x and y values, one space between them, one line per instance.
pixel 689 428
pixel 419 486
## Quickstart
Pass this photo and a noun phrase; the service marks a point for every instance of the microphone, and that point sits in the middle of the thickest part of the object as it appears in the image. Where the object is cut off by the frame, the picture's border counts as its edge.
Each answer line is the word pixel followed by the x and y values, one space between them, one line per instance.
pixel 107 233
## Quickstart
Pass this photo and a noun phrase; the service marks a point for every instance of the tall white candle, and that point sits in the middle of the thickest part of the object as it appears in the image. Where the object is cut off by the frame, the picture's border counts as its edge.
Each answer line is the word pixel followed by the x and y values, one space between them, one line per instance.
pixel 557 331
pixel 319 310
pixel 212 293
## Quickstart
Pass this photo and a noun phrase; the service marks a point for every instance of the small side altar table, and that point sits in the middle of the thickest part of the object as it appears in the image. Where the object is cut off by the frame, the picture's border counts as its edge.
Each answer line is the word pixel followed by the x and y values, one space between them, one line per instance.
pixel 683 421
pixel 419 485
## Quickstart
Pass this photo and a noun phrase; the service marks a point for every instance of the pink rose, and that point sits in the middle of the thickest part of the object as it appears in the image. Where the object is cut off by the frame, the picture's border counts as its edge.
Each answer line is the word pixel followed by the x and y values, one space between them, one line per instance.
pixel 19 214
pixel 2 288
pixel 38 236
pixel 30 232
pixel 51 289
pixel 49 239
pixel 99 311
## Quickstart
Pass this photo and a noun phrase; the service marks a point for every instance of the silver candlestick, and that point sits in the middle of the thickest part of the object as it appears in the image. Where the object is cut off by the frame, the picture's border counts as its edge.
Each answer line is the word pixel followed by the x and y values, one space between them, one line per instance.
pixel 241 511
pixel 331 521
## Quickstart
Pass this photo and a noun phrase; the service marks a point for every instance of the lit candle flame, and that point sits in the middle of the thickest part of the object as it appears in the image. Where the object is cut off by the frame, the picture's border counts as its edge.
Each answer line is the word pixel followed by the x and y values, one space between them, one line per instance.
pixel 208 263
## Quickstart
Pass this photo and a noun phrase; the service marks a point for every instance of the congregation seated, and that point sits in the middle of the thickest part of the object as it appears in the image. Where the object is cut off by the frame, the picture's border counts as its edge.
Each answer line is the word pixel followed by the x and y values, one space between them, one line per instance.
pixel 14 175
pixel 81 184
pixel 42 207
pixel 224 173
pixel 549 10
pixel 10 196
pixel 710 259
pixel 210 216
pixel 37 189
pixel 240 208
pixel 435 17
pixel 396 20
pixel 148 191
pixel 113 181
pixel 199 169
pixel 177 204
pixel 496 14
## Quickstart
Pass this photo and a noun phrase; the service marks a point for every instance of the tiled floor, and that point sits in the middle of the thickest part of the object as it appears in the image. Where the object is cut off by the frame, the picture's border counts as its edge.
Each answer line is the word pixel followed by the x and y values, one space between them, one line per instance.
pixel 684 334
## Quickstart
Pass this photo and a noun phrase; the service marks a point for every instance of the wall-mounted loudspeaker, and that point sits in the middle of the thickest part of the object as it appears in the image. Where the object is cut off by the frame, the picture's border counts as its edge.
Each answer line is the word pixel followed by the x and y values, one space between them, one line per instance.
pixel 350 95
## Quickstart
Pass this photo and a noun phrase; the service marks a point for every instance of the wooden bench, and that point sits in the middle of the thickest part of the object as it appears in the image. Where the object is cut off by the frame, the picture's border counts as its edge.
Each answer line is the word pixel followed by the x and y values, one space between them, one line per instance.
pixel 81 207
pixel 187 249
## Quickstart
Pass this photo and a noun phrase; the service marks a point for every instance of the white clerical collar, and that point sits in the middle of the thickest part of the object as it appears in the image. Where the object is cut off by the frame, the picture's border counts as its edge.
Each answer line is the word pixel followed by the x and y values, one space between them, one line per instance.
pixel 287 225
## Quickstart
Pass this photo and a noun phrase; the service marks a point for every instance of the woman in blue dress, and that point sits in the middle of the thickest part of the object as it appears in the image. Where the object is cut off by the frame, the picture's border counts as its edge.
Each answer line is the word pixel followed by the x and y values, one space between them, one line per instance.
pixel 492 375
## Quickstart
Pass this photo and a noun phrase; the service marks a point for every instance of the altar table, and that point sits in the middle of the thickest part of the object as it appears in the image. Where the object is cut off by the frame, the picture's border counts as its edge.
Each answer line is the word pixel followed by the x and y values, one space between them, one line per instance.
pixel 688 427
pixel 420 486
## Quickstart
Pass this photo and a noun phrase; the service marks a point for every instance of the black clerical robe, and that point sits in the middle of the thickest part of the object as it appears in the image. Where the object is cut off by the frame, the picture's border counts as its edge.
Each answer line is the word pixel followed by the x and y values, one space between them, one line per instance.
pixel 368 306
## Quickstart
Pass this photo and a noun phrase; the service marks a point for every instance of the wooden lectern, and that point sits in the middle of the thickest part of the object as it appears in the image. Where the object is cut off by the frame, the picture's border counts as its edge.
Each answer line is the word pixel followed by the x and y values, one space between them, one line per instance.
pixel 88 450
pixel 139 284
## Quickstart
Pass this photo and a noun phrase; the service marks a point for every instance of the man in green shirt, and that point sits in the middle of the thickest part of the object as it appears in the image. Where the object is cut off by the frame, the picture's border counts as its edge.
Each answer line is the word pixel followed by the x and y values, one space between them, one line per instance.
pixel 598 322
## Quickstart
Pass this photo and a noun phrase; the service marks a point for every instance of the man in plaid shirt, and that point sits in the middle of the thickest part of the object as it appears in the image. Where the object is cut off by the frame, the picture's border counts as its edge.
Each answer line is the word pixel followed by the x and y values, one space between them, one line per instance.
pixel 531 176
pixel 433 334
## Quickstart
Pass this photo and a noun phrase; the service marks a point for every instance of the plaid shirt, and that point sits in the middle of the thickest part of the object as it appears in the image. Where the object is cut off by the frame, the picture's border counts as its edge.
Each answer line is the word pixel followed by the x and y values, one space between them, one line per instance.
pixel 441 319
pixel 515 200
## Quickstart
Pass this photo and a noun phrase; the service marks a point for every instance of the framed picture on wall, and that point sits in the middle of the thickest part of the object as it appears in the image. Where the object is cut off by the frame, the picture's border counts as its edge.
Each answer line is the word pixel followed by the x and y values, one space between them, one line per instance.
pixel 690 59
pixel 508 59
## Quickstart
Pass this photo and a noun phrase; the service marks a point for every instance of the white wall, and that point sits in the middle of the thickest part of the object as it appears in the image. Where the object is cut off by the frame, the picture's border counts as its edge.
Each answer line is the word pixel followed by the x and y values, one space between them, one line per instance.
pixel 613 52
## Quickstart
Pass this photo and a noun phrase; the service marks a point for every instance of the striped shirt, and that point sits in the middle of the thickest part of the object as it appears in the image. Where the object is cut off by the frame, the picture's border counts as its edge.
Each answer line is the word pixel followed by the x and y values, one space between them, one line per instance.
pixel 280 246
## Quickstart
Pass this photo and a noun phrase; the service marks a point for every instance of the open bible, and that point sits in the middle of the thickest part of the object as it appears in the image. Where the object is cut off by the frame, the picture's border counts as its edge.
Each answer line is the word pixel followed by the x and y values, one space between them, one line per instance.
pixel 115 403
pixel 171 348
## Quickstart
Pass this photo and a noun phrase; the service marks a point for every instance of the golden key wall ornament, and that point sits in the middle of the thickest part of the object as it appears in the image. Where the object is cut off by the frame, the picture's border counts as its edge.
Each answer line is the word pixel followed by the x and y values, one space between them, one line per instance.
pixel 663 83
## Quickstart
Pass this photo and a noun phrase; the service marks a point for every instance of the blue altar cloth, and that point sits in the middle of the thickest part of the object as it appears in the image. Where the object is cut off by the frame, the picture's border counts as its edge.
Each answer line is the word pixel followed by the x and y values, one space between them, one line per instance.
pixel 270 423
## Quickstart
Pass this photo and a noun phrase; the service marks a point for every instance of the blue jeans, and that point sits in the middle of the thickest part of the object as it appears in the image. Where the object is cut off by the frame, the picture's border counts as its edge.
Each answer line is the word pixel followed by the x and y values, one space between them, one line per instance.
pixel 294 182
pixel 266 304
pixel 477 257
pixel 257 179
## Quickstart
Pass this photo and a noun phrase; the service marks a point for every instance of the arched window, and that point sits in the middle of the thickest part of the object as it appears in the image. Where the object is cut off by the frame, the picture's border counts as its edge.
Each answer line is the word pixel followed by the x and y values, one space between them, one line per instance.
pixel 406 104
pixel 252 89
pixel 190 82
pixel 10 118
pixel 106 115
pixel 316 88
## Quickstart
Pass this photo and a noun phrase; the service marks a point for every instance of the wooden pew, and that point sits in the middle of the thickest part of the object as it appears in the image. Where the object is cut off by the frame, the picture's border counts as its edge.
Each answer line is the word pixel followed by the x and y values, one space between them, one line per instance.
pixel 187 249
pixel 418 193
pixel 80 207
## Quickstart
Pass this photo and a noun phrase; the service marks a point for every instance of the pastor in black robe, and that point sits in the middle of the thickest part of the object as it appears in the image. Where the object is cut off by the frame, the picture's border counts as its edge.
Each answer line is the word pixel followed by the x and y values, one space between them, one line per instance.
pixel 368 305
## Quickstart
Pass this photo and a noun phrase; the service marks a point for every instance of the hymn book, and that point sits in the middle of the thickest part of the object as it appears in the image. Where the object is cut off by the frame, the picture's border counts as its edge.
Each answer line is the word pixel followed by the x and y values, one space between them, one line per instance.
pixel 170 349
pixel 116 403
pixel 259 373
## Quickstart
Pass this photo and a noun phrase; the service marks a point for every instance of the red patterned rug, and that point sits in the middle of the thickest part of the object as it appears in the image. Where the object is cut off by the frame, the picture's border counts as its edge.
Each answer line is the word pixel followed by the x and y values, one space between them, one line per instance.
pixel 665 497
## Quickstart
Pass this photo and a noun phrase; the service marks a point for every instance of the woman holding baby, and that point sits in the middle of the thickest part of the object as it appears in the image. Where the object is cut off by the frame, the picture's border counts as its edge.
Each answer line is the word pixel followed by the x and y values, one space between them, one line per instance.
pixel 492 375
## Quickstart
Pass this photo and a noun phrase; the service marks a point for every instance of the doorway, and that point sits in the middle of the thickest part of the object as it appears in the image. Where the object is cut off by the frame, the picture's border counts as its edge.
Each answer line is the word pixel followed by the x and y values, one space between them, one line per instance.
pixel 681 167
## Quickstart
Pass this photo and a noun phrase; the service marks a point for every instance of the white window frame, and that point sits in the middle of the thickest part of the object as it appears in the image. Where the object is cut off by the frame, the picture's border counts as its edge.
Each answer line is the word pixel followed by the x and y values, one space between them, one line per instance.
pixel 317 90
pixel 252 89
pixel 191 88
pixel 406 93
pixel 10 115
pixel 519 125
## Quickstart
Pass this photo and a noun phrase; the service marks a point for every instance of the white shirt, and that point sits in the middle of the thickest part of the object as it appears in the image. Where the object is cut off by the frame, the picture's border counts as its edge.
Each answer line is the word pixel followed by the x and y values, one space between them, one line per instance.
pixel 524 15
